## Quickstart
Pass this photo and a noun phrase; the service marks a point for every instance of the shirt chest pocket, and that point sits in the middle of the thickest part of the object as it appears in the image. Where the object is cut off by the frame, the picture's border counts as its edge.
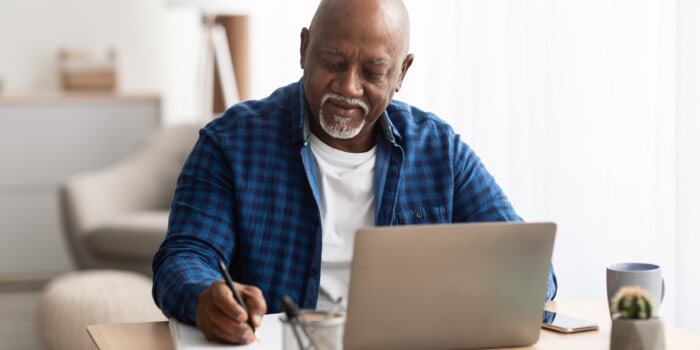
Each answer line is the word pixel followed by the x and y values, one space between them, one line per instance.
pixel 425 215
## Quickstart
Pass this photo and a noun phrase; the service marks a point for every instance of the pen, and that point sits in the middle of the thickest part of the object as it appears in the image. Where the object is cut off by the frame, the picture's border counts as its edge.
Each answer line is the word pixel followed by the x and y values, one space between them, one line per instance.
pixel 239 300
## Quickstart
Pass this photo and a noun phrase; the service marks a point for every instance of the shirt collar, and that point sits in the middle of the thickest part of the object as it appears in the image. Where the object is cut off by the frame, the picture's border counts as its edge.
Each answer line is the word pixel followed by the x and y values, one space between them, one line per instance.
pixel 299 110
pixel 387 128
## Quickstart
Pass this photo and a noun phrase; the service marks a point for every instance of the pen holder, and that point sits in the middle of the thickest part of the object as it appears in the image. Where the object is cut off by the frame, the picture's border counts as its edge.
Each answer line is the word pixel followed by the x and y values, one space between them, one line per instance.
pixel 325 329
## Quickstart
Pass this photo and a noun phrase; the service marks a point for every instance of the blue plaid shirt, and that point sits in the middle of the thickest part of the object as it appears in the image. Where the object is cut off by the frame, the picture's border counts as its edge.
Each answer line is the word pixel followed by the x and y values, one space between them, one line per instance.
pixel 248 194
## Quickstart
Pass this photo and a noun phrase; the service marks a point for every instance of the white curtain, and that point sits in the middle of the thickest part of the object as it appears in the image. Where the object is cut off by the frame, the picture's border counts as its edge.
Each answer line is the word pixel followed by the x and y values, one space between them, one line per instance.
pixel 688 163
pixel 572 105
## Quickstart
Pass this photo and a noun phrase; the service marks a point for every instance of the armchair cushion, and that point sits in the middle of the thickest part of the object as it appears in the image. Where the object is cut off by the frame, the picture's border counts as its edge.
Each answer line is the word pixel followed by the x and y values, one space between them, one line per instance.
pixel 117 216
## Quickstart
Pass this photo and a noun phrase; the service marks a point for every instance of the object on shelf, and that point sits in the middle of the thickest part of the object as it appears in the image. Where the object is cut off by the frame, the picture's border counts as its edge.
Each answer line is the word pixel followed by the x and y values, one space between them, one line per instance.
pixel 80 70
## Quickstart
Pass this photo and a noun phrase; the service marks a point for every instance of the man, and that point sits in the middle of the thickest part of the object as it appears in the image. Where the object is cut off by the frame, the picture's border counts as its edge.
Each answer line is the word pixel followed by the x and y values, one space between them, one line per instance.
pixel 276 188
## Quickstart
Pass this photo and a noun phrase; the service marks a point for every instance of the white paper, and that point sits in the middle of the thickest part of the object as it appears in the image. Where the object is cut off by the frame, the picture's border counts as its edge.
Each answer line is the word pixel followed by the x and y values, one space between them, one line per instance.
pixel 186 337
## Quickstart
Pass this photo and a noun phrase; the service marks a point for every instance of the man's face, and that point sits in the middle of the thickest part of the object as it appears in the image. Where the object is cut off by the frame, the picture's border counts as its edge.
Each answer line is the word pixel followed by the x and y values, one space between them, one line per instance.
pixel 351 71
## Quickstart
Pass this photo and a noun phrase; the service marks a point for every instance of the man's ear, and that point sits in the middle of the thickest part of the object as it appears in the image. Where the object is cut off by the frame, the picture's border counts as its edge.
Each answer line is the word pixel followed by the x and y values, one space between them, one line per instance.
pixel 404 68
pixel 304 46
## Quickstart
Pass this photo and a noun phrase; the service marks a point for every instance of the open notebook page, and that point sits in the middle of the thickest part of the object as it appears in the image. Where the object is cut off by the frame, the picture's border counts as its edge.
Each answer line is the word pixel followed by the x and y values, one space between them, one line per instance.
pixel 186 337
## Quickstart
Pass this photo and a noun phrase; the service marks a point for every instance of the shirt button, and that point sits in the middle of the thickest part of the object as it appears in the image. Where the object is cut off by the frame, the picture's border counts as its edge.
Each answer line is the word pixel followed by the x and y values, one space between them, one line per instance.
pixel 419 214
pixel 313 272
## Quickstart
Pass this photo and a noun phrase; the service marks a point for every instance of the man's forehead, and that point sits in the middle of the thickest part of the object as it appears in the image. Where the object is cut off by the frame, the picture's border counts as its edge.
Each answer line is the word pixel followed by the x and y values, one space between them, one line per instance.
pixel 381 21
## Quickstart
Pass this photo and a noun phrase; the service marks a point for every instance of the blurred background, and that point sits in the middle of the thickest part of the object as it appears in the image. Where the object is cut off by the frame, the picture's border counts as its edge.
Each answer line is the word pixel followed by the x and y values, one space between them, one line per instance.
pixel 586 111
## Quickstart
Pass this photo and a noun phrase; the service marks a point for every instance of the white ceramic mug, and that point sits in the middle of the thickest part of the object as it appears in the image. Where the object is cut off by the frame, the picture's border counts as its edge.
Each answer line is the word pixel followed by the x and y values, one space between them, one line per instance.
pixel 647 276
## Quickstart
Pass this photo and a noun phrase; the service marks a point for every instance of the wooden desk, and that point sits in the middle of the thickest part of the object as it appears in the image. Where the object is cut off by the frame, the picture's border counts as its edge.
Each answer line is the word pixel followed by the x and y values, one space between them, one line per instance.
pixel 156 335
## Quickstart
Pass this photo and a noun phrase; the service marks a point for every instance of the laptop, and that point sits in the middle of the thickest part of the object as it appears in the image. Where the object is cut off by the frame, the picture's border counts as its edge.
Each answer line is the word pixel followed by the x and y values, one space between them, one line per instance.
pixel 451 286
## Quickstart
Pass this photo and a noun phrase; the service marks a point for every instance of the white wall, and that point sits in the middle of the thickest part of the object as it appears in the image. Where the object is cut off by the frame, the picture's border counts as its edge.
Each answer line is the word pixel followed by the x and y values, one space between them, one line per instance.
pixel 157 45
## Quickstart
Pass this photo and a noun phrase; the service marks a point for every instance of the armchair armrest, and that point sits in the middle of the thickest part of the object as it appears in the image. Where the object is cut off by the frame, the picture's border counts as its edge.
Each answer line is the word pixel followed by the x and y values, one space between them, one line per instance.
pixel 142 182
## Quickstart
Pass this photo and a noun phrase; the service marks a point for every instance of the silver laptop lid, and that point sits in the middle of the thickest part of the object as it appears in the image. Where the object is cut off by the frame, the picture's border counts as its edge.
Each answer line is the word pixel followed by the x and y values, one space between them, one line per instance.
pixel 453 286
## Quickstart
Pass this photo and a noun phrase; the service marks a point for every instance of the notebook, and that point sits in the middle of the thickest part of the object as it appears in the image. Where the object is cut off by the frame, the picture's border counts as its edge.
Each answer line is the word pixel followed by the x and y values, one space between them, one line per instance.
pixel 186 337
pixel 452 286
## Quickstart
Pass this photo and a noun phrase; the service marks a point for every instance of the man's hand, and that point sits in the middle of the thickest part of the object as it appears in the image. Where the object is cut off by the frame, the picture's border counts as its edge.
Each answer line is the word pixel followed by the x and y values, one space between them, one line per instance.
pixel 221 319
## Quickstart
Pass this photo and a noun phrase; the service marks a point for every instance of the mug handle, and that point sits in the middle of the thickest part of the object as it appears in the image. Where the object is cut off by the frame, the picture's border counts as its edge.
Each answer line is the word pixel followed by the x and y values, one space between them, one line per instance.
pixel 663 288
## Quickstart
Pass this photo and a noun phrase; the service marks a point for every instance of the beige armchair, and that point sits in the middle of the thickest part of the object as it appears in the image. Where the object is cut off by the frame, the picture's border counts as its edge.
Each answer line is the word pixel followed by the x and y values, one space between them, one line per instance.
pixel 117 217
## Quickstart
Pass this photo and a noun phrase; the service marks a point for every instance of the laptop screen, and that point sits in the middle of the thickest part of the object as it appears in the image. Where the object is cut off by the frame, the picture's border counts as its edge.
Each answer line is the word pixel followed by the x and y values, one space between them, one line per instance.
pixel 448 286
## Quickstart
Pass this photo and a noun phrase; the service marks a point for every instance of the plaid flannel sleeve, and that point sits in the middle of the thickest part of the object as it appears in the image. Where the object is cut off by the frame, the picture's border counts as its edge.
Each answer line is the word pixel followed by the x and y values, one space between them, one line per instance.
pixel 199 231
pixel 479 198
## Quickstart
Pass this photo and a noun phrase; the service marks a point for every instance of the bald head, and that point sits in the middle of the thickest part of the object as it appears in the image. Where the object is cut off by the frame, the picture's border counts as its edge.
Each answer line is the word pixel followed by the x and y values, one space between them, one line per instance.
pixel 390 14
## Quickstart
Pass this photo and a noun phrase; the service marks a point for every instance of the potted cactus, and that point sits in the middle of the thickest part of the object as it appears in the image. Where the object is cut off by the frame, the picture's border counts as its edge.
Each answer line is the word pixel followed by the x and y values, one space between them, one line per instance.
pixel 635 324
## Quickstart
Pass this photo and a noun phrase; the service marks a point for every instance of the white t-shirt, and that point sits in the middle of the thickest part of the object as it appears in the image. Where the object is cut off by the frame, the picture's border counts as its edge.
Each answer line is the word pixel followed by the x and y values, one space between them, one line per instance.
pixel 346 186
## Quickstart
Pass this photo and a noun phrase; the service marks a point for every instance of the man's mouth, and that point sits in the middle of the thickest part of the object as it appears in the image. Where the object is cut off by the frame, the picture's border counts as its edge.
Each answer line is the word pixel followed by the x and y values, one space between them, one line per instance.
pixel 341 108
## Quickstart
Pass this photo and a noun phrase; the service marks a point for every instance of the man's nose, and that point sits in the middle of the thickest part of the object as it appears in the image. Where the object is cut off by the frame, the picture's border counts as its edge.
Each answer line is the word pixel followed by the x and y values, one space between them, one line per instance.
pixel 348 83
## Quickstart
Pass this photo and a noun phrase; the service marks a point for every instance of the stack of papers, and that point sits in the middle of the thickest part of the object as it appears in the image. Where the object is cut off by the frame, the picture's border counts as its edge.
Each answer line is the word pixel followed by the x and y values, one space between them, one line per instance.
pixel 186 337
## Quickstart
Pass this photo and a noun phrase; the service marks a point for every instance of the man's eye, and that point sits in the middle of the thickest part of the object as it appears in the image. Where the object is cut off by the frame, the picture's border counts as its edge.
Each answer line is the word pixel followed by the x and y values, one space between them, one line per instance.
pixel 333 65
pixel 374 76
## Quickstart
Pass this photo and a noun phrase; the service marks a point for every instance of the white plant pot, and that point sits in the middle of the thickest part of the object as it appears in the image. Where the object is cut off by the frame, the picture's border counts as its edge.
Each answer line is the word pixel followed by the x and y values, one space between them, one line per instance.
pixel 631 334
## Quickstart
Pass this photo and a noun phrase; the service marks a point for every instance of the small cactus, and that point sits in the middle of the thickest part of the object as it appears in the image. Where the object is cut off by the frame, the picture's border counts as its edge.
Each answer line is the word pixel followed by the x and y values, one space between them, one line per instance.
pixel 633 303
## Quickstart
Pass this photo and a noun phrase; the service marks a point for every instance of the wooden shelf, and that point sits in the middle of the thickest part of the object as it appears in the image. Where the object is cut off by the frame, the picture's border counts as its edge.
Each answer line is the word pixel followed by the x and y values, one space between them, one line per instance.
pixel 74 97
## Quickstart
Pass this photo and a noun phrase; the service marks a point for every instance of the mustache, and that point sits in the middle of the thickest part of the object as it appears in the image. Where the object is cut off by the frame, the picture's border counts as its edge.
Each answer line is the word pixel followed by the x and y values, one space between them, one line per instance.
pixel 346 100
